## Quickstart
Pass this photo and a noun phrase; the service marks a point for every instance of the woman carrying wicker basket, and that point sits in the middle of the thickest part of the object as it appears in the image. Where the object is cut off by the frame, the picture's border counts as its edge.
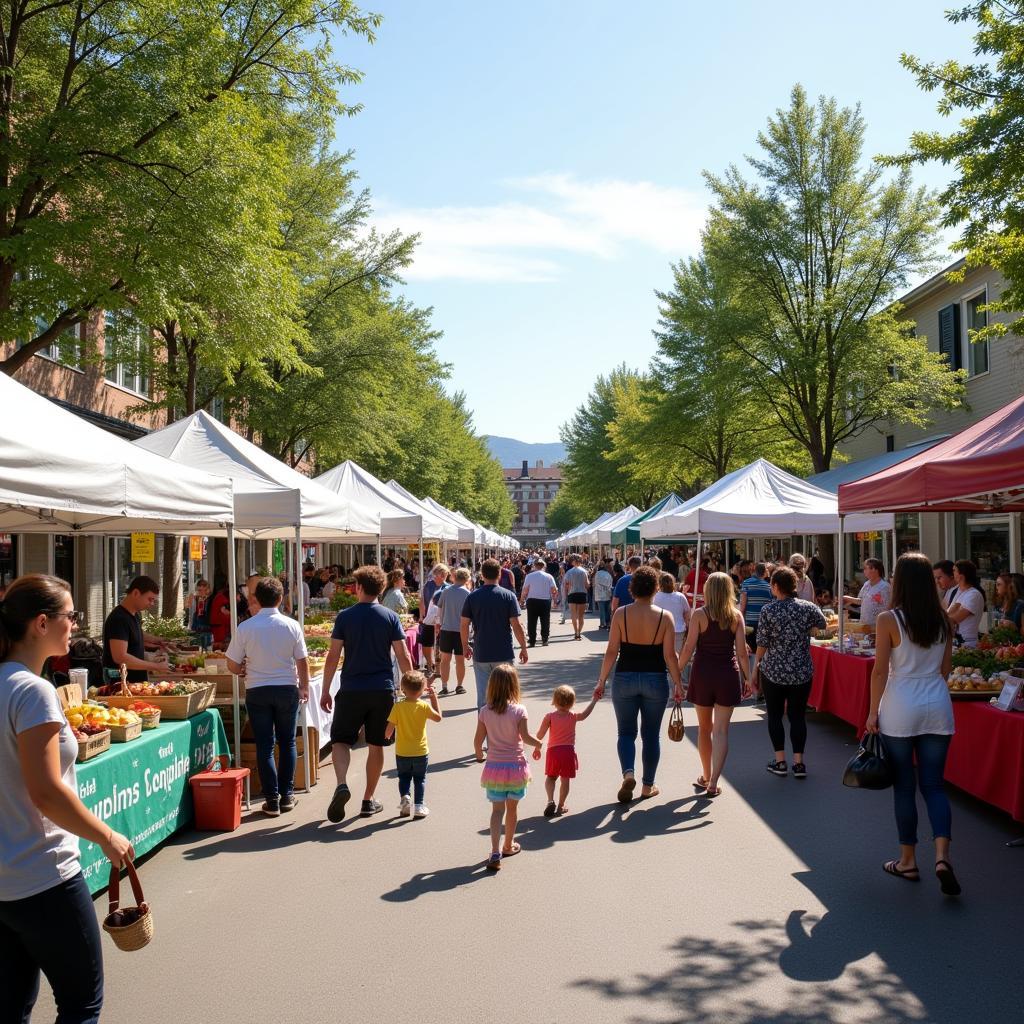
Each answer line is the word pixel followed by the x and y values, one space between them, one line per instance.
pixel 47 921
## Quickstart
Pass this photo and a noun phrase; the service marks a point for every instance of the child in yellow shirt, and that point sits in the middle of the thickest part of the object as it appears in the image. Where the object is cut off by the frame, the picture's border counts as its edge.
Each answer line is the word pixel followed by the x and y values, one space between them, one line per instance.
pixel 408 724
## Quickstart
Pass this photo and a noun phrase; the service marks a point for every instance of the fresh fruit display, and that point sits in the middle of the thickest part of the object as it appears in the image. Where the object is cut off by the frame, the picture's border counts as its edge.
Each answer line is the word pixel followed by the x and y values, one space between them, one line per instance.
pixel 1001 637
pixel 987 663
pixel 967 679
pixel 319 629
pixel 187 662
pixel 91 718
pixel 142 708
pixel 165 688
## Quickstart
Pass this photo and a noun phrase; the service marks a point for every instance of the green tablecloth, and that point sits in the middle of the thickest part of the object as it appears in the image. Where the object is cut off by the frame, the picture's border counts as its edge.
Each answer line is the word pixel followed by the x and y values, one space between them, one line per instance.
pixel 141 788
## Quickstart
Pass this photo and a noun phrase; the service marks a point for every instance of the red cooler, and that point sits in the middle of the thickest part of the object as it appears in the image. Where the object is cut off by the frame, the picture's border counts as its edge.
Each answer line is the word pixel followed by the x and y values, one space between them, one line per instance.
pixel 217 796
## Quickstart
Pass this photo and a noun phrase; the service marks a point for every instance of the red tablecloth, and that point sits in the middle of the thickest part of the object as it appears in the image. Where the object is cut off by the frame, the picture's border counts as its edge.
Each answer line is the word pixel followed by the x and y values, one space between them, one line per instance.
pixel 412 641
pixel 841 685
pixel 986 755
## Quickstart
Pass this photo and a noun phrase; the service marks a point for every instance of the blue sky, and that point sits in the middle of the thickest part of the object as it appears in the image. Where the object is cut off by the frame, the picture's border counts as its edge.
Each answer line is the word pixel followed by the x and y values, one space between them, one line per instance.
pixel 550 155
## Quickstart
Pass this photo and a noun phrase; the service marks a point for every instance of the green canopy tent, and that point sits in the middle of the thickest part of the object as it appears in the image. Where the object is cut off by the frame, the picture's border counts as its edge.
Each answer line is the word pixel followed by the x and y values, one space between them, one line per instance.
pixel 630 533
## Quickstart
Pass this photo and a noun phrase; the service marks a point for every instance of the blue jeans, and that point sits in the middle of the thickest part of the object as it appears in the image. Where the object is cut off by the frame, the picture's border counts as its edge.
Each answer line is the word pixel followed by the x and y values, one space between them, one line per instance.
pixel 931 751
pixel 482 671
pixel 604 609
pixel 55 932
pixel 274 711
pixel 642 694
pixel 412 770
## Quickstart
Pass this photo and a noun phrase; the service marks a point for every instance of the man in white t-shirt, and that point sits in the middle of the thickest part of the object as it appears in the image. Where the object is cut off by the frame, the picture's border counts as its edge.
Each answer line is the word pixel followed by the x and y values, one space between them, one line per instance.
pixel 539 591
pixel 876 594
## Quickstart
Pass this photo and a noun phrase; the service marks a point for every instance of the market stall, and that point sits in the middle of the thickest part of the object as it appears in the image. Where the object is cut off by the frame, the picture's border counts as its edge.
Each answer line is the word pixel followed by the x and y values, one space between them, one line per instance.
pixel 628 534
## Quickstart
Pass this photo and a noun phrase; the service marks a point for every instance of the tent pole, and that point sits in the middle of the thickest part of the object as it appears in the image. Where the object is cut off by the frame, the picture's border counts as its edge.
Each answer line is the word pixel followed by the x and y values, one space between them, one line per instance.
pixel 379 563
pixel 696 570
pixel 842 579
pixel 236 712
pixel 892 568
pixel 301 605
pixel 422 577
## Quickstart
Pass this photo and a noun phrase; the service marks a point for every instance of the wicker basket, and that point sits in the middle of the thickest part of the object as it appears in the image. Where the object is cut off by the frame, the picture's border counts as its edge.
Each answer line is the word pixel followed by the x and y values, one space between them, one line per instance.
pixel 172 709
pixel 131 928
pixel 150 721
pixel 125 733
pixel 675 723
pixel 92 746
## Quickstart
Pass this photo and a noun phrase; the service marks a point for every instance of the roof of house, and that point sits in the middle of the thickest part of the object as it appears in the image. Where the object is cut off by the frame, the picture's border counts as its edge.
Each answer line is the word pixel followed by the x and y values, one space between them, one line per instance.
pixel 533 473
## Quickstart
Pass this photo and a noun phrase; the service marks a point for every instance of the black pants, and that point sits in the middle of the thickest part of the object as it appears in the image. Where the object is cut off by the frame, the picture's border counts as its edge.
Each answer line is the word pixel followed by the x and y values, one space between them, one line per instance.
pixel 538 610
pixel 56 932
pixel 791 701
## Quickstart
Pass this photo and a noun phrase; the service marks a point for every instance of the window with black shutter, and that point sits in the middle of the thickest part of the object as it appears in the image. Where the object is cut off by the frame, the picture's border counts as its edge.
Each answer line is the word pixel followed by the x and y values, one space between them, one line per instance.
pixel 949 336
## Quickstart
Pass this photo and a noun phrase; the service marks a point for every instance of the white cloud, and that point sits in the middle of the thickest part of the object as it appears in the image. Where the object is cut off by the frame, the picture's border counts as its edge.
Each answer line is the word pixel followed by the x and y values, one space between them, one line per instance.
pixel 527 238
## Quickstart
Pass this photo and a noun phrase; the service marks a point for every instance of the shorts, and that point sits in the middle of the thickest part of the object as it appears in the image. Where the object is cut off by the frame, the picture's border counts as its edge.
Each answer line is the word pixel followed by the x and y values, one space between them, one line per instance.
pixel 505 780
pixel 362 709
pixel 426 636
pixel 561 762
pixel 450 642
pixel 577 598
pixel 714 685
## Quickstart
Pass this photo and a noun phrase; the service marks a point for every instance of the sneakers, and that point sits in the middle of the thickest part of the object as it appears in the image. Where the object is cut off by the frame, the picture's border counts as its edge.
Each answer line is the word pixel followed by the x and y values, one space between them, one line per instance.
pixel 405 807
pixel 799 770
pixel 420 811
pixel 288 802
pixel 272 807
pixel 336 810
pixel 370 808
pixel 777 767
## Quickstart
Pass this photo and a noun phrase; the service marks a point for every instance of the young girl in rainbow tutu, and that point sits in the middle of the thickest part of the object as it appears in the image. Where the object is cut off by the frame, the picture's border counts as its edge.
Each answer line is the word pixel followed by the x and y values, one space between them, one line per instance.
pixel 503 723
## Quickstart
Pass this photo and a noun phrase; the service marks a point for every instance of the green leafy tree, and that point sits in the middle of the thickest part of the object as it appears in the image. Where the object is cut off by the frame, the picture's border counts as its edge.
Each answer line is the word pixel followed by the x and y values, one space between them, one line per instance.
pixel 109 116
pixel 818 246
pixel 985 198
pixel 563 514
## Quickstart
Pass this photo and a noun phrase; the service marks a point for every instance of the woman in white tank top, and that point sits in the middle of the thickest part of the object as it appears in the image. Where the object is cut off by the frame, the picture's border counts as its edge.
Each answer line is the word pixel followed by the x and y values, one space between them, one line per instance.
pixel 911 708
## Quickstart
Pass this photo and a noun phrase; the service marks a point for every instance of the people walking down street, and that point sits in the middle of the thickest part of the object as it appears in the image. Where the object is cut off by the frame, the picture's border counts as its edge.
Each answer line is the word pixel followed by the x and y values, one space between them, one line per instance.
pixel 539 591
pixel 369 635
pixel 407 722
pixel 783 668
pixel 503 723
pixel 47 920
pixel 450 602
pixel 641 650
pixel 604 583
pixel 874 596
pixel 911 708
pixel 717 643
pixel 673 601
pixel 622 595
pixel 493 612
pixel 270 650
pixel 561 762
pixel 428 631
pixel 694 587
pixel 577 587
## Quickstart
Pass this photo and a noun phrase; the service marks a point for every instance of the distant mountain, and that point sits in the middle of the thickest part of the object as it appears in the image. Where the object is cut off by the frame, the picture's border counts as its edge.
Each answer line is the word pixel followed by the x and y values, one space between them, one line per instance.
pixel 510 452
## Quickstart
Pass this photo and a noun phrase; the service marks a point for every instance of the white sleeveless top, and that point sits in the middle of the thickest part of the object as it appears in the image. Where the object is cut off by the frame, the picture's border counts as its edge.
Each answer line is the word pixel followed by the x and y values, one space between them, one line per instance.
pixel 916 700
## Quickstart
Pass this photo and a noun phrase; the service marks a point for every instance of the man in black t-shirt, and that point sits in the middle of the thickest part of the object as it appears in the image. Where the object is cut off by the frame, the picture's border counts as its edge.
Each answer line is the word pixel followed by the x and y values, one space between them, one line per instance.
pixel 124 643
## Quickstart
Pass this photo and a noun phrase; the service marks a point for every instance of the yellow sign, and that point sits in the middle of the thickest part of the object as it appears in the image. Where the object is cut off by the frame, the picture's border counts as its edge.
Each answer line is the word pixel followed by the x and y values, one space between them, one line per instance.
pixel 143 547
pixel 870 535
pixel 430 550
pixel 195 549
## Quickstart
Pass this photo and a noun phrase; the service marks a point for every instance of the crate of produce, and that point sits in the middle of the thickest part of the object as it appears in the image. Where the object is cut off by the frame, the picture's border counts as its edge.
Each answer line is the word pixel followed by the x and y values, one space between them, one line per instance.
pixel 174 706
pixel 91 745
pixel 125 733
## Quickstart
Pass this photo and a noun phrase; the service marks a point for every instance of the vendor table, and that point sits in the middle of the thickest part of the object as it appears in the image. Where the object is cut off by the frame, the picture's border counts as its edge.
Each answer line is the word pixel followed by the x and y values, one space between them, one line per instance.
pixel 141 789
pixel 412 641
pixel 986 754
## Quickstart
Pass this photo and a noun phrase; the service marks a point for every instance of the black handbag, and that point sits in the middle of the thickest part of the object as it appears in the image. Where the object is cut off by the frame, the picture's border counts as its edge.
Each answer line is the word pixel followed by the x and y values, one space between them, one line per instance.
pixel 868 768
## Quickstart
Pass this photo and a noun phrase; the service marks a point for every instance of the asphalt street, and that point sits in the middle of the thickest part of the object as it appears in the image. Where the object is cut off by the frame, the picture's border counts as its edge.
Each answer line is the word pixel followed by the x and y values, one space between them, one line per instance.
pixel 767 905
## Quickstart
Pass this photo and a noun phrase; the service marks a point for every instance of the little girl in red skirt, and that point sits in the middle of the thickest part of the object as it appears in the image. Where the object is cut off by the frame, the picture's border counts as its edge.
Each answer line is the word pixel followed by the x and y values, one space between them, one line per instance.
pixel 561 762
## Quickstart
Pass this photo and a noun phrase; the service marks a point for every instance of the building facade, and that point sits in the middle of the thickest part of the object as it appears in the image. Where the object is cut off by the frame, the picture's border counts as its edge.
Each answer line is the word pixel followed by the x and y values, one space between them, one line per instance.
pixel 945 313
pixel 532 490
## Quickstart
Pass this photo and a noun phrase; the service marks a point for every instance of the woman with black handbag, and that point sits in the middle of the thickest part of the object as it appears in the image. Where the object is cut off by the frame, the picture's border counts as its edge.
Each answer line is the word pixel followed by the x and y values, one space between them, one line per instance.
pixel 911 708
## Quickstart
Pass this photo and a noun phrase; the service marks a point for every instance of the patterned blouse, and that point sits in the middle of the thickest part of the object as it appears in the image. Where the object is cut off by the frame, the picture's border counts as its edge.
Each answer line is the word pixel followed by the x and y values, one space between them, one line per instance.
pixel 784 630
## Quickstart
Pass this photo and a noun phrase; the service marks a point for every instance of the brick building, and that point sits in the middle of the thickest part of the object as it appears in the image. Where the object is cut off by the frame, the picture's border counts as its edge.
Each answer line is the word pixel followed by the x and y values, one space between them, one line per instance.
pixel 532 489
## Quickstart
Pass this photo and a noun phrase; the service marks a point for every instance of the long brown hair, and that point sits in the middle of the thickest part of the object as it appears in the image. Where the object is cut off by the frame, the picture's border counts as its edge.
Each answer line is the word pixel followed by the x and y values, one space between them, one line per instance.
pixel 25 599
pixel 502 688
pixel 720 601
pixel 915 596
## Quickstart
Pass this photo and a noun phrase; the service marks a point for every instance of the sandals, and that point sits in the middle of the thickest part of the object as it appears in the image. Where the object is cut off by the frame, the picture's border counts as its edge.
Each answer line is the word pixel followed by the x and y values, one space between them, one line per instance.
pixel 549 811
pixel 712 792
pixel 701 783
pixel 892 867
pixel 494 862
pixel 516 848
pixel 626 789
pixel 561 810
pixel 654 792
pixel 947 880
pixel 460 689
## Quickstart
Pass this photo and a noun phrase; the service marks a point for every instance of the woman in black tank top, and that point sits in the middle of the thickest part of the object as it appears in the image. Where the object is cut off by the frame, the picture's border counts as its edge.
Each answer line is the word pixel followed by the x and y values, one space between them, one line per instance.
pixel 641 646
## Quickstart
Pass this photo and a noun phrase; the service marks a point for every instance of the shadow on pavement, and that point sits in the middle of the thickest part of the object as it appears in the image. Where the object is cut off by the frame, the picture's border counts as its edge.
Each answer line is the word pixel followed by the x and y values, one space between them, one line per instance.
pixel 843 836
pixel 444 880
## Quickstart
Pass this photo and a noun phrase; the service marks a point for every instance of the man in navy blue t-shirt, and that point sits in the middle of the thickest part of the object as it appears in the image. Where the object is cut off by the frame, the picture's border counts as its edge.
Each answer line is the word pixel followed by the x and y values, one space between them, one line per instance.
pixel 369 635
pixel 493 612
pixel 621 595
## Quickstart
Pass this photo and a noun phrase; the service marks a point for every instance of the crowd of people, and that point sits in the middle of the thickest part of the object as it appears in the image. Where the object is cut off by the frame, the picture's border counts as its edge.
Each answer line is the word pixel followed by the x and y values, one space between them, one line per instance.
pixel 674 633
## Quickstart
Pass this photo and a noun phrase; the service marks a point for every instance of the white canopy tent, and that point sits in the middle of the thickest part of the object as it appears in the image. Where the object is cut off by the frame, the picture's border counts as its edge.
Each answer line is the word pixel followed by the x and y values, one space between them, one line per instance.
pixel 61 474
pixel 760 500
pixel 589 535
pixel 467 536
pixel 569 537
pixel 602 533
